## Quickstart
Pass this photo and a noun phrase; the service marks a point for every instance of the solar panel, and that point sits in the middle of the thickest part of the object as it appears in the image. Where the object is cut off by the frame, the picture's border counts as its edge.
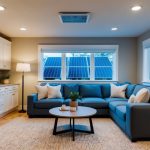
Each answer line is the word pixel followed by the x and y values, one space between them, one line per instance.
pixel 102 61
pixel 103 73
pixel 53 61
pixel 76 61
pixel 78 73
pixel 52 68
pixel 78 68
pixel 52 72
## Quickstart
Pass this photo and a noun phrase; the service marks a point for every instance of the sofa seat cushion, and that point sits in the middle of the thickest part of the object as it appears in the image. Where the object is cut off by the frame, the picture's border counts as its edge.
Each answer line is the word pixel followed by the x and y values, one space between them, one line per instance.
pixel 94 102
pixel 67 102
pixel 115 99
pixel 121 111
pixel 48 103
pixel 113 105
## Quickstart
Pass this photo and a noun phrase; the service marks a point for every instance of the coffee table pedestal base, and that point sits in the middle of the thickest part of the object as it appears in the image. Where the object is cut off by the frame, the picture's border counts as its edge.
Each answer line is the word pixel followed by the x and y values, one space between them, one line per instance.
pixel 72 128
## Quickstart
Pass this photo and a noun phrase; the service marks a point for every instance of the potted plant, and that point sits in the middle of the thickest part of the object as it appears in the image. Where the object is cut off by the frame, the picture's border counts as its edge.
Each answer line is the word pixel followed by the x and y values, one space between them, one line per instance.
pixel 5 79
pixel 74 96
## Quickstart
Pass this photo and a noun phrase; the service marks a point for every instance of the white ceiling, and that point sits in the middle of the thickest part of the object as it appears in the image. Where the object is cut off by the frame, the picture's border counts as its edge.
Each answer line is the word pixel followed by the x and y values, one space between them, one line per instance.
pixel 41 18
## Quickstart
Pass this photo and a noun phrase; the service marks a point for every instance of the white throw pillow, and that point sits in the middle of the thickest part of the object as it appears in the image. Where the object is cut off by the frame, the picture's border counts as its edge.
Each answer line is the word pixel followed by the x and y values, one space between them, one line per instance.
pixel 118 91
pixel 142 96
pixel 42 91
pixel 54 91
pixel 132 99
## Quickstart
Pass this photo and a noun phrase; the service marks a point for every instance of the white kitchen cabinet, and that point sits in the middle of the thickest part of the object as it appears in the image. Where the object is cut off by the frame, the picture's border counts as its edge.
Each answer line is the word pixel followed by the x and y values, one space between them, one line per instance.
pixel 5 54
pixel 8 98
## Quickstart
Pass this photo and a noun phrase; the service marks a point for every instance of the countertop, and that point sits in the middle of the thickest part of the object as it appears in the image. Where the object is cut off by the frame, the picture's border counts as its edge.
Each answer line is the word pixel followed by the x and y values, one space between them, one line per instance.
pixel 3 85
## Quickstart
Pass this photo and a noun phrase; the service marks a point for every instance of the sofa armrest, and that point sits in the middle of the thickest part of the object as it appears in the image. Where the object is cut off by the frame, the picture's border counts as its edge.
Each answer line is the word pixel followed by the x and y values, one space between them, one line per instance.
pixel 138 120
pixel 30 103
pixel 33 97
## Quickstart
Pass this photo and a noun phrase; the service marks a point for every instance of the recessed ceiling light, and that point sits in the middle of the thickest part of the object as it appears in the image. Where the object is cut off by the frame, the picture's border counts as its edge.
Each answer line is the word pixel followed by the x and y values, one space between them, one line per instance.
pixel 114 29
pixel 23 29
pixel 136 8
pixel 2 8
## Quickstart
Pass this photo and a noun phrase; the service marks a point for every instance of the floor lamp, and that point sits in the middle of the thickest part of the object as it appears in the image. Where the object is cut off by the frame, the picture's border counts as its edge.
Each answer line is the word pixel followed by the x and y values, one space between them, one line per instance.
pixel 23 67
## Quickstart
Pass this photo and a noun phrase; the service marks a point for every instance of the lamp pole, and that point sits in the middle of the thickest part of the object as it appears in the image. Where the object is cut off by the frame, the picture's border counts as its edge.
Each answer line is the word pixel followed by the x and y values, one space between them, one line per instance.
pixel 22 110
pixel 23 67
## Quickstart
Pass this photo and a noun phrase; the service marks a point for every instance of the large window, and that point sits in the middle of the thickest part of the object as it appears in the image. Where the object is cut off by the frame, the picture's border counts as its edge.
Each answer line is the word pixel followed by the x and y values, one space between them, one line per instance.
pixel 146 61
pixel 78 63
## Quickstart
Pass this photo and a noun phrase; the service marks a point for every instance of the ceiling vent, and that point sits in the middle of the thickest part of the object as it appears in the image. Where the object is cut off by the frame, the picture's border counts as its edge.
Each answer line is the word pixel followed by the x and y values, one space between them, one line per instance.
pixel 74 17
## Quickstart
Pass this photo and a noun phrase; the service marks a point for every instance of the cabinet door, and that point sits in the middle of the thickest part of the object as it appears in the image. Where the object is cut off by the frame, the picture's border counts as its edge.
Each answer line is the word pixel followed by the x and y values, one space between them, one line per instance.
pixel 1 54
pixel 1 103
pixel 2 100
pixel 7 55
pixel 7 98
pixel 15 96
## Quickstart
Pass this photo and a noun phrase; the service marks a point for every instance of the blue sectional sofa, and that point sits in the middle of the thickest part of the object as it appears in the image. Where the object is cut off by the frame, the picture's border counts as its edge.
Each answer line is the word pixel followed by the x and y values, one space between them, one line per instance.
pixel 132 118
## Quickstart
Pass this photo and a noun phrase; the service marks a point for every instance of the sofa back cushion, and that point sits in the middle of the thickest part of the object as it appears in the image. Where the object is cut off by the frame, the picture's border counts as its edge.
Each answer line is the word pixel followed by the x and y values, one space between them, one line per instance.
pixel 129 90
pixel 139 87
pixel 93 90
pixel 70 88
pixel 105 88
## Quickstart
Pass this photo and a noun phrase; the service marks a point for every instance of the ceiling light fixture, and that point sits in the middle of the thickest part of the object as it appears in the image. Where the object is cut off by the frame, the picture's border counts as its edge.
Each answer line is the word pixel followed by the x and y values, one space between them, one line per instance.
pixel 136 8
pixel 2 8
pixel 114 29
pixel 23 29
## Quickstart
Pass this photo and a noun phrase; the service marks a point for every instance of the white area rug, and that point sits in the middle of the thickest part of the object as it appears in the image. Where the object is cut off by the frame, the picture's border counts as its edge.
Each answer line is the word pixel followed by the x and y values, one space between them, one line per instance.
pixel 22 133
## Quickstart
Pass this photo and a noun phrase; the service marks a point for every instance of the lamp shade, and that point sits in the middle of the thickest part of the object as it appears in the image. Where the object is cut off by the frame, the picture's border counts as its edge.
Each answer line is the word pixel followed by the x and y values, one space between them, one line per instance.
pixel 23 67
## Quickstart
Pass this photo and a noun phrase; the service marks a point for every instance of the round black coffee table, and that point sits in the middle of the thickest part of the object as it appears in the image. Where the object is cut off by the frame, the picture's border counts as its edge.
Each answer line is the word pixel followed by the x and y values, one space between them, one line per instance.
pixel 82 112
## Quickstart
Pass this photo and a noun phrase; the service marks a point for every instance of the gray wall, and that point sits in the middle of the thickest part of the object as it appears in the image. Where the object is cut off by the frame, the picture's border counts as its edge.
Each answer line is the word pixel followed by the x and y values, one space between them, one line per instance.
pixel 140 55
pixel 25 49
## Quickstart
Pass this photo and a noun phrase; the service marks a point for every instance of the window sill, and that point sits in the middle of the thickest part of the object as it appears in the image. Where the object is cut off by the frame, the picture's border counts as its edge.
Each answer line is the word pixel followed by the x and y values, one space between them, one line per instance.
pixel 79 81
pixel 146 83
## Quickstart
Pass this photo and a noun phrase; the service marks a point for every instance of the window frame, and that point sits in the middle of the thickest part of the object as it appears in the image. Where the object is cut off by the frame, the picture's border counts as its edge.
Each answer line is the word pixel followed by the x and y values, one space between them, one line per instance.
pixel 78 49
pixel 146 69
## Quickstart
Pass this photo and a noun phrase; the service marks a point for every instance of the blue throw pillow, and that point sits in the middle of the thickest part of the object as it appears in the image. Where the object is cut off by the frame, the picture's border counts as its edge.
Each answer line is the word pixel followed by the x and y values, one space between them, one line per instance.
pixel 90 91
pixel 68 88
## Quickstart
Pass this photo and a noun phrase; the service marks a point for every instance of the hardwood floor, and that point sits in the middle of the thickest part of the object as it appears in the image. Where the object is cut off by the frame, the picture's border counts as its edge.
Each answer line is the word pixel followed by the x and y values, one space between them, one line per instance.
pixel 11 116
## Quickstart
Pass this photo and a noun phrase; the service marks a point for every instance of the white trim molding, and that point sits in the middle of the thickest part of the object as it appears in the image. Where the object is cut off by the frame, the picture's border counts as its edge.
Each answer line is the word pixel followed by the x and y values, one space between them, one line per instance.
pixel 146 61
pixel 78 49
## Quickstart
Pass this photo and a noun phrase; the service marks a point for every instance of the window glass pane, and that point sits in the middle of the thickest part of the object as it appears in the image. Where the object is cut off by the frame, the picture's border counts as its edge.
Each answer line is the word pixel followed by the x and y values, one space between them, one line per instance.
pixel 103 63
pixel 148 63
pixel 52 66
pixel 78 66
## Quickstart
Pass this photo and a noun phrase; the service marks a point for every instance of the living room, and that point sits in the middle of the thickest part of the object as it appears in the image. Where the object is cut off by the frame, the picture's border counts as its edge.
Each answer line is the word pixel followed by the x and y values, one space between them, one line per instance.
pixel 98 51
